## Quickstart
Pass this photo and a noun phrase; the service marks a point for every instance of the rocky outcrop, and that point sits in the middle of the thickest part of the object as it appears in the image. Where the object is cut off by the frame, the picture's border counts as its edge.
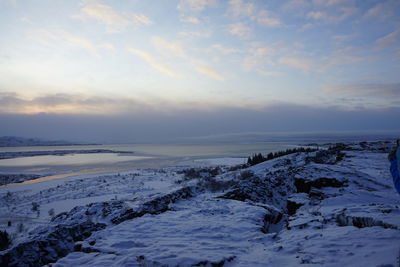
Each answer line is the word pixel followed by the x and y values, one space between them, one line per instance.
pixel 304 185
pixel 155 206
pixel 49 246
pixel 272 218
pixel 215 263
pixel 360 222
pixel 54 242
pixel 272 189
pixel 293 206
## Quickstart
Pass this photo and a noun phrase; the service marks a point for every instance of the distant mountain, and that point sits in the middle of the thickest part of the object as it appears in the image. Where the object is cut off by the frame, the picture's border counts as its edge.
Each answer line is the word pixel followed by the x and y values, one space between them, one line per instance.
pixel 13 141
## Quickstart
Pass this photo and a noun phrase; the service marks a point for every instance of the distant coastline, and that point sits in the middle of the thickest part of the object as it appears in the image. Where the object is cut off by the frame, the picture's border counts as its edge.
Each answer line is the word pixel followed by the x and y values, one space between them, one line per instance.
pixel 14 141
pixel 11 155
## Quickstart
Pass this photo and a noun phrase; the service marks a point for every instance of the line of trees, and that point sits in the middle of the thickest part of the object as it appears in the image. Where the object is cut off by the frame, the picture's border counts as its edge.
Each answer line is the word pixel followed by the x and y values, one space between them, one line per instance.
pixel 258 158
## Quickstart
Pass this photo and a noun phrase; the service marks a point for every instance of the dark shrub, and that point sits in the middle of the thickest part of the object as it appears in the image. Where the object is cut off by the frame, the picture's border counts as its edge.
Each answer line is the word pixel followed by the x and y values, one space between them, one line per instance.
pixel 5 240
pixel 246 175
pixel 258 158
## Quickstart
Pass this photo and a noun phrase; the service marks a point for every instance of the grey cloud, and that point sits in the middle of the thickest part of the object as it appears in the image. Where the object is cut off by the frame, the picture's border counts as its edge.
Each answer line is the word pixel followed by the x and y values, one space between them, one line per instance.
pixel 368 89
pixel 177 126
pixel 11 103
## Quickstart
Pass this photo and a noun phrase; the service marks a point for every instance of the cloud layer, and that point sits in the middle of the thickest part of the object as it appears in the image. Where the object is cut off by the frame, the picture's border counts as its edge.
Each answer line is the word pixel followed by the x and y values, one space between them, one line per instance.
pixel 151 126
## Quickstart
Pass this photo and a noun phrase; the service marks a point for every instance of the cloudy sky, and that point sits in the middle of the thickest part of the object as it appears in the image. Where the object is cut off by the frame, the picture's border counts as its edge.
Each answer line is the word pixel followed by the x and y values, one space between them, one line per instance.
pixel 135 70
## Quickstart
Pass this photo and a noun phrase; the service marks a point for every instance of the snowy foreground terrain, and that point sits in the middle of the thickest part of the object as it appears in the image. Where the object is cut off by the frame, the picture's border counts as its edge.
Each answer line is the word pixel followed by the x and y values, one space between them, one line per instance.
pixel 334 207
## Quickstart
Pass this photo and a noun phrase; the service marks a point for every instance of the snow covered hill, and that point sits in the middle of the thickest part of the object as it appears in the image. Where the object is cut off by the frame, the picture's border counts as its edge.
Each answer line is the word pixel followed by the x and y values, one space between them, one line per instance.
pixel 334 207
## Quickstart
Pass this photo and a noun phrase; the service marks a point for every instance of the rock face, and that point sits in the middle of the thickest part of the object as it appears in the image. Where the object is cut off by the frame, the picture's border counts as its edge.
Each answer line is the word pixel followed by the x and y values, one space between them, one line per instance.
pixel 155 206
pixel 360 222
pixel 305 186
pixel 48 246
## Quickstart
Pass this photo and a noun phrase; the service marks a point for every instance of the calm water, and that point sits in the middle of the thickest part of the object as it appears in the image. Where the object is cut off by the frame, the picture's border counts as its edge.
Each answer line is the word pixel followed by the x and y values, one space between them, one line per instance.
pixel 144 156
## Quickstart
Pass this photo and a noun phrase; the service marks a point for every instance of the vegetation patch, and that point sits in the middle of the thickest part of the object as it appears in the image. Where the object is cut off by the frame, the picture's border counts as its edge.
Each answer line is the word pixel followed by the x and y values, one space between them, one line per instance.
pixel 5 240
pixel 258 158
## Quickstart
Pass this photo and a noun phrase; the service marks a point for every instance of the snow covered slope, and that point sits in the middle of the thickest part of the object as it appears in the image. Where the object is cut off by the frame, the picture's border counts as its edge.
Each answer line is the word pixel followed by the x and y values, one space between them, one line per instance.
pixel 334 207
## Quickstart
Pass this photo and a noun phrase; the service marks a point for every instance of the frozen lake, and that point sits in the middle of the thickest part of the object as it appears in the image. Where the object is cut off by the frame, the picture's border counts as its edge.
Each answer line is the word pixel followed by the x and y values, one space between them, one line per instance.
pixel 138 156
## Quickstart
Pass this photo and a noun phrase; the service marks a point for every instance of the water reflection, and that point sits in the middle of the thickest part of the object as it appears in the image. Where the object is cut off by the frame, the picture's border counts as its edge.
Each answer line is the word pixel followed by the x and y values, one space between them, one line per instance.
pixel 73 159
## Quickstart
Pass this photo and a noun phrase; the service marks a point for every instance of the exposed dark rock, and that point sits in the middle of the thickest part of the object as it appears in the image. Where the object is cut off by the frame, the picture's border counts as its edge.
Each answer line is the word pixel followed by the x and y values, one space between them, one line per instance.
pixel 78 247
pixel 255 189
pixel 292 207
pixel 317 194
pixel 271 218
pixel 304 186
pixel 244 175
pixel 99 209
pixel 214 185
pixel 215 264
pixel 89 250
pixel 193 173
pixel 155 206
pixel 46 248
pixel 142 261
pixel 360 222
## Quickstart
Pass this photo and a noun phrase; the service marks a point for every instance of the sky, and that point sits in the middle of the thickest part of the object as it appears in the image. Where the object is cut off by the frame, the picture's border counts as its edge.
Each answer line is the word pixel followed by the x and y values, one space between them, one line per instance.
pixel 142 71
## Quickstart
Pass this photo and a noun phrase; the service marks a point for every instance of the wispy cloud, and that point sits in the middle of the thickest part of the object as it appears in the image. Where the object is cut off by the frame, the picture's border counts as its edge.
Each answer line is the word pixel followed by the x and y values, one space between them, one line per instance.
pixel 343 37
pixel 346 55
pixel 192 20
pixel 304 64
pixel 114 21
pixel 335 16
pixel 328 3
pixel 154 62
pixel 108 46
pixel 295 4
pixel 269 73
pixel 171 51
pixel 48 38
pixel 240 8
pixel 264 18
pixel 27 20
pixel 176 49
pixel 258 55
pixel 168 48
pixel 383 10
pixel 209 71
pixel 241 30
pixel 225 50
pixel 389 39
pixel 195 34
pixel 80 42
pixel 195 5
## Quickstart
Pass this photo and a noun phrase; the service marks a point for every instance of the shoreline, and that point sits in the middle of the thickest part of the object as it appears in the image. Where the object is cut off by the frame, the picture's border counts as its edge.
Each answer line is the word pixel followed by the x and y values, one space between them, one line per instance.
pixel 20 154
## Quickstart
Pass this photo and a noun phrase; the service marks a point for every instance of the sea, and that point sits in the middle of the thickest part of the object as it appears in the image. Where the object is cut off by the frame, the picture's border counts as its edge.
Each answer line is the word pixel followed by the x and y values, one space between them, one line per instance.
pixel 131 156
pixel 148 156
